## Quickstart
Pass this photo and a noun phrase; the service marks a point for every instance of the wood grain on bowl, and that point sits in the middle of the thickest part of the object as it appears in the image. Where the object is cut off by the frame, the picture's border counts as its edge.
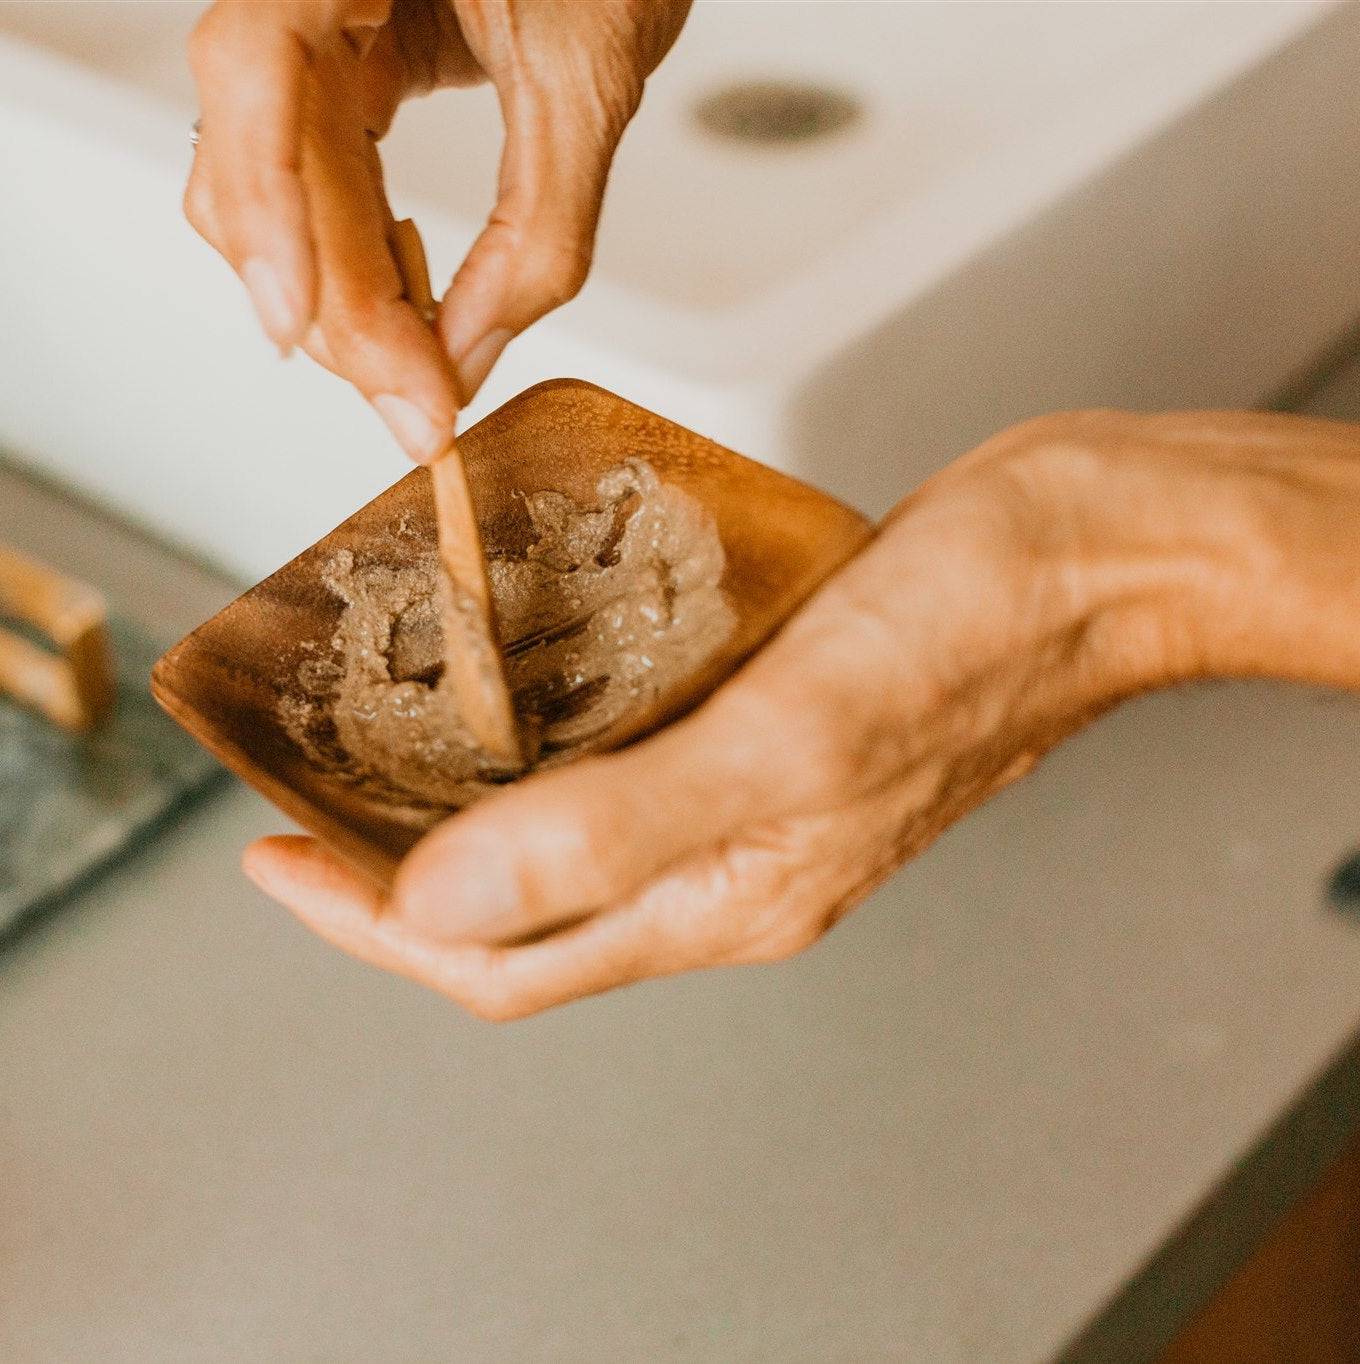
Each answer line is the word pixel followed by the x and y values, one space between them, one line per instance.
pixel 226 682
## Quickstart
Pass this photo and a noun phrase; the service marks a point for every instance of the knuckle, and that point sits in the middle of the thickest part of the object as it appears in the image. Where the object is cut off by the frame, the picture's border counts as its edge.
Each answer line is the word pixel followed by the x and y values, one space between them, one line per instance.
pixel 782 916
pixel 200 211
pixel 332 344
pixel 1032 431
pixel 782 940
pixel 1057 444
pixel 489 1001
pixel 315 344
pixel 233 41
pixel 351 310
pixel 195 205
pixel 1059 425
pixel 571 863
pixel 361 326
pixel 483 988
pixel 555 273
pixel 356 342
pixel 206 40
pixel 825 761
pixel 806 741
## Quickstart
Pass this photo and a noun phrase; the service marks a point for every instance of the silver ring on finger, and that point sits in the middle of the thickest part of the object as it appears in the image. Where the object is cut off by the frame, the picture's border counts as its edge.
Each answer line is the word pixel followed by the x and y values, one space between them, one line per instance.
pixel 196 132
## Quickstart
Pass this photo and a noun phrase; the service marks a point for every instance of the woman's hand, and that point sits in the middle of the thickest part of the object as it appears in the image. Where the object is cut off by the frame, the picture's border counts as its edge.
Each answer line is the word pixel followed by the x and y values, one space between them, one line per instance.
pixel 1061 567
pixel 288 186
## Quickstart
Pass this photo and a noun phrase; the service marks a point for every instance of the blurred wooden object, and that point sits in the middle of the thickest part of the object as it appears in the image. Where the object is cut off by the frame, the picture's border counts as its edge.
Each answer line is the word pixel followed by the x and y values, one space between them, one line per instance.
pixel 72 683
pixel 472 648
pixel 1297 1300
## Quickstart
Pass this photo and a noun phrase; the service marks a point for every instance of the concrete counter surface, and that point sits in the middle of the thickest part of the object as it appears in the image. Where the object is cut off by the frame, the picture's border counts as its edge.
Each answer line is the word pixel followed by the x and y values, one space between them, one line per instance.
pixel 1020 1104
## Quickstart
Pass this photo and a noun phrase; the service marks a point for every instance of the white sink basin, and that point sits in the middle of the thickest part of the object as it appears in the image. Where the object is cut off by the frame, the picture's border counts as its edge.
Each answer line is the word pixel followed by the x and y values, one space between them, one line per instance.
pixel 1037 205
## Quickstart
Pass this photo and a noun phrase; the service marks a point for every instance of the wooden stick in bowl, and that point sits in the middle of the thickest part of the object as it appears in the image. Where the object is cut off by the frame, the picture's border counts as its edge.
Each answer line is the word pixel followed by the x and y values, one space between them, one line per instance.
pixel 472 652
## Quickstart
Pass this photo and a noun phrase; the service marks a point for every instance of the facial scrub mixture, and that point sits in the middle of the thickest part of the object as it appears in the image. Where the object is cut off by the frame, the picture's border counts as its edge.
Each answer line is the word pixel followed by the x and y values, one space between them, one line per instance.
pixel 608 606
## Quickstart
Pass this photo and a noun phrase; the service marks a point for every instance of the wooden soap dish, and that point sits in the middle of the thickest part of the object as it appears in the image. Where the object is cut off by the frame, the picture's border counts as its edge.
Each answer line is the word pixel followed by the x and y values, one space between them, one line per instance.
pixel 225 681
pixel 72 681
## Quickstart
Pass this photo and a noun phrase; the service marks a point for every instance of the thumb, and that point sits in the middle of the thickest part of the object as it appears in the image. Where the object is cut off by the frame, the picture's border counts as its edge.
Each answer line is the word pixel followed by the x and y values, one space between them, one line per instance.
pixel 564 844
pixel 535 252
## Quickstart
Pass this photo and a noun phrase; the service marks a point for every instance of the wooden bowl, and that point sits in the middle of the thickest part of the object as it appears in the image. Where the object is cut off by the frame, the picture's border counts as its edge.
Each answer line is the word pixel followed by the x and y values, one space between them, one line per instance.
pixel 226 681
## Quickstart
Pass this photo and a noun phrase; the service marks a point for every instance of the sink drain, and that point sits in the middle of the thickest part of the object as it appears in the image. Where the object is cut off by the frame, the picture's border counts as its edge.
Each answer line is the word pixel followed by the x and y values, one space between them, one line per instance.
pixel 776 112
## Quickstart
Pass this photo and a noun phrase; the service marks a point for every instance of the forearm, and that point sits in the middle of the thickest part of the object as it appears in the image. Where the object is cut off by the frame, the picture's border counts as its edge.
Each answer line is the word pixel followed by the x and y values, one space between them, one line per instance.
pixel 1080 559
pixel 1227 545
pixel 1298 608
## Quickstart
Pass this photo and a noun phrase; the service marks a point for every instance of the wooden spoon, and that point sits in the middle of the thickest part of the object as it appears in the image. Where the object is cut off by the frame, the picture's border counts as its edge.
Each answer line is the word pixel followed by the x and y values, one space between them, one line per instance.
pixel 472 651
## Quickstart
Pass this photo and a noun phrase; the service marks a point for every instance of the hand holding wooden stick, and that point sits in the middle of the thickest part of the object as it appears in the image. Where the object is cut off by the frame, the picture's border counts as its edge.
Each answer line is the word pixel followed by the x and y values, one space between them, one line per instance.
pixel 472 652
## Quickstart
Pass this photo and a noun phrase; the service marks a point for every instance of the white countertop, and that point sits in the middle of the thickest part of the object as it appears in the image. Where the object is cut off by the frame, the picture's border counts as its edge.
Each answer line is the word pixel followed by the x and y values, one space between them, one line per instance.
pixel 974 1122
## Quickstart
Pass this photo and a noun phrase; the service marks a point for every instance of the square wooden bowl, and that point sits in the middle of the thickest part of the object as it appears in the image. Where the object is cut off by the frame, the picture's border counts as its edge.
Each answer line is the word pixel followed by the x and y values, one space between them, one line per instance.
pixel 225 682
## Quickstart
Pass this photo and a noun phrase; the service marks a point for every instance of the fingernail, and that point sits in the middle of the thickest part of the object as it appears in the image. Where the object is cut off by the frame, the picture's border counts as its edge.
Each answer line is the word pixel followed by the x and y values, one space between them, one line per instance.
pixel 418 435
pixel 476 364
pixel 276 311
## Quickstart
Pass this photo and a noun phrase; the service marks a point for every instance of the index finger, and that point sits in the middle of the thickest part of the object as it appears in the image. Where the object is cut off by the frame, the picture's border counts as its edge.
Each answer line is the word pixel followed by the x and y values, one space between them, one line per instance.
pixel 250 65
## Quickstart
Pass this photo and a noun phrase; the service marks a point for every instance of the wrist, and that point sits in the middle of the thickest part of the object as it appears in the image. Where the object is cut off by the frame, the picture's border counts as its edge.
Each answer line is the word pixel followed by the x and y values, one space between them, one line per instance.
pixel 1204 544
